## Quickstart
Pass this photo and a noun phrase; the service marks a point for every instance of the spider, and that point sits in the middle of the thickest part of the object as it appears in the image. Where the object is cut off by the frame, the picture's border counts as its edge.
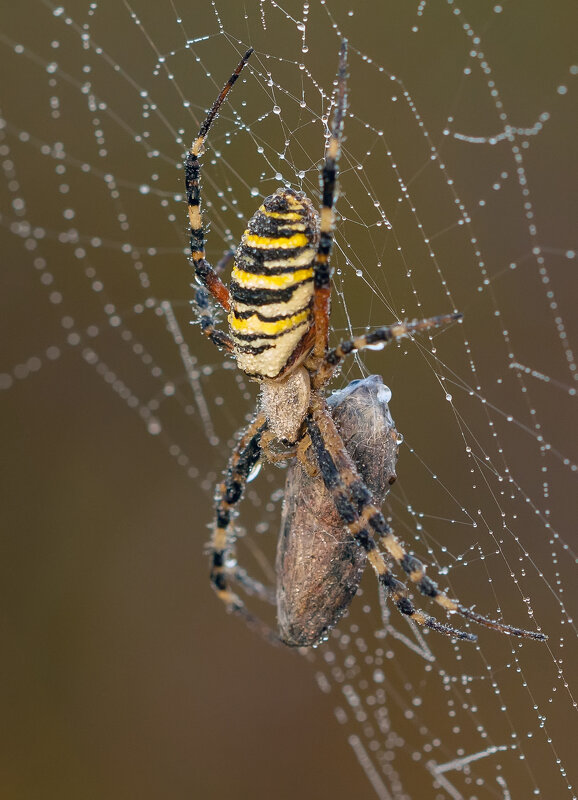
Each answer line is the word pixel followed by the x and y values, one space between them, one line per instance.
pixel 278 306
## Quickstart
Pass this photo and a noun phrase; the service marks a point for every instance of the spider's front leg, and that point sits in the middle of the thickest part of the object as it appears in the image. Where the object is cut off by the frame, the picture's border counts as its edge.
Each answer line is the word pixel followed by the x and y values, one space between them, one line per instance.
pixel 365 522
pixel 228 495
pixel 355 506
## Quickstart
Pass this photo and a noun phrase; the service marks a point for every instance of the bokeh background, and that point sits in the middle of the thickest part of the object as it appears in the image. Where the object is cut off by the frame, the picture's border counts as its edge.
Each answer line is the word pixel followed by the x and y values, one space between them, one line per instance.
pixel 121 675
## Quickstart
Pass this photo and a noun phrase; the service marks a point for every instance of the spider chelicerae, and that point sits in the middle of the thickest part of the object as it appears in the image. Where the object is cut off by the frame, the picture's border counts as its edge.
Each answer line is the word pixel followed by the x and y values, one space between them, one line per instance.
pixel 278 305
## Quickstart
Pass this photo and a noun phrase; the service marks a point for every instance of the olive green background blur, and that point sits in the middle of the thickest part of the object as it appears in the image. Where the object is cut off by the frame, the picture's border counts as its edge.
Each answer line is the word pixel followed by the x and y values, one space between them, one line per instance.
pixel 121 675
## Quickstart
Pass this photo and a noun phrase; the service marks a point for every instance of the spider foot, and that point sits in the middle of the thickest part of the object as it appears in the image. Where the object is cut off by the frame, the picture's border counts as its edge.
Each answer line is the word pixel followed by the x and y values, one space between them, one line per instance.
pixel 400 596
pixel 415 570
pixel 509 630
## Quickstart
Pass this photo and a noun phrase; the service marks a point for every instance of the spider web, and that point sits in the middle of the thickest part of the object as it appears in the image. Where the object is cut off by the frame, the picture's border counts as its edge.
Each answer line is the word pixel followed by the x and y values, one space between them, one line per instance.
pixel 124 677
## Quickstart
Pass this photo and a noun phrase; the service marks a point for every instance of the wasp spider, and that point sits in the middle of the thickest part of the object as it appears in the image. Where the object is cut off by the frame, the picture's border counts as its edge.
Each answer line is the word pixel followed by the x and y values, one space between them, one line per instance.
pixel 278 306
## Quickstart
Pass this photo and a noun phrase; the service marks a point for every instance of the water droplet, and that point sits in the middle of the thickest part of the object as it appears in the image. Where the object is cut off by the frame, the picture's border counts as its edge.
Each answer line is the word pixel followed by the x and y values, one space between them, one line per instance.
pixel 254 472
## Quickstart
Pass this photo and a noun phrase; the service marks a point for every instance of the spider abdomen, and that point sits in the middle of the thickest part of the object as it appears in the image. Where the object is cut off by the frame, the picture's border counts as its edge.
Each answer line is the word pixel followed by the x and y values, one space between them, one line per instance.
pixel 271 285
pixel 319 565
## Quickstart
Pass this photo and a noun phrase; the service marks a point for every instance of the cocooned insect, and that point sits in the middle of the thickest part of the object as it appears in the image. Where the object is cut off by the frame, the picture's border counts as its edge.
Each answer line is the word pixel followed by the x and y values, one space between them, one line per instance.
pixel 319 564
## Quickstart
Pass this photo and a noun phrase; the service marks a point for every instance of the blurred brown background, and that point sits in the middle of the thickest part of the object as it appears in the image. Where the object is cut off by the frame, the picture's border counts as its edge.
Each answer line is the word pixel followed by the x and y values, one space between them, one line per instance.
pixel 121 675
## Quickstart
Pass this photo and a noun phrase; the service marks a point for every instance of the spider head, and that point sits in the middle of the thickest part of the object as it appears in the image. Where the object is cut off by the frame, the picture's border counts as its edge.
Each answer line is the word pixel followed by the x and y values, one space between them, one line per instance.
pixel 285 402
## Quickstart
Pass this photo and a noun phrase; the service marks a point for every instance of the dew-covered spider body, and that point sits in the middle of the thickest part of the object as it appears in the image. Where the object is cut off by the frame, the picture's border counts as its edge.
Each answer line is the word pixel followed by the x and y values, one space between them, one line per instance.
pixel 271 286
pixel 278 306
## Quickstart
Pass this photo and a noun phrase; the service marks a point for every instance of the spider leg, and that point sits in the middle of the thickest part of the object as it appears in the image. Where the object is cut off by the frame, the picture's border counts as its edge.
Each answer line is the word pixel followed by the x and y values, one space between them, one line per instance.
pixel 377 340
pixel 273 456
pixel 205 311
pixel 206 316
pixel 229 493
pixel 366 523
pixel 321 267
pixel 353 502
pixel 204 272
pixel 252 586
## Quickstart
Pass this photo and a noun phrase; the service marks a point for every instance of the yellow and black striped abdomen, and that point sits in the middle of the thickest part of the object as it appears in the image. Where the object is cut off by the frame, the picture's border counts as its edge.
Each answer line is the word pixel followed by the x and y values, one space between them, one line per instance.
pixel 272 284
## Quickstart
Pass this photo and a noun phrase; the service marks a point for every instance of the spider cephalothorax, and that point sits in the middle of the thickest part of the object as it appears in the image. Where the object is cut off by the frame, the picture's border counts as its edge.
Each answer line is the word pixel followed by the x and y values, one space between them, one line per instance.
pixel 278 304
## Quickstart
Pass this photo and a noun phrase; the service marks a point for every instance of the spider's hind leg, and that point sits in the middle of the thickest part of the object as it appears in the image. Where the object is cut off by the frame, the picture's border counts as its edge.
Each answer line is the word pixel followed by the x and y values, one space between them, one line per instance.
pixel 321 266
pixel 204 308
pixel 206 317
pixel 204 272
